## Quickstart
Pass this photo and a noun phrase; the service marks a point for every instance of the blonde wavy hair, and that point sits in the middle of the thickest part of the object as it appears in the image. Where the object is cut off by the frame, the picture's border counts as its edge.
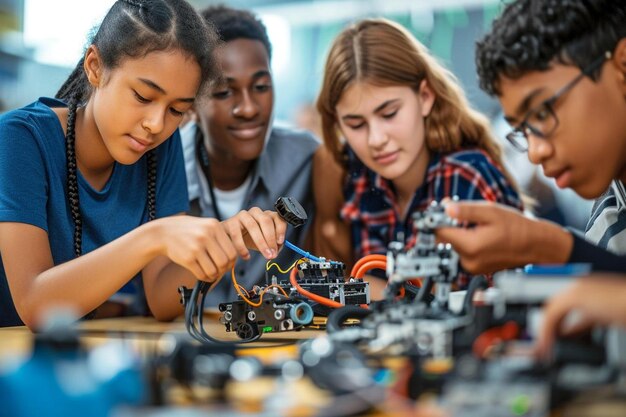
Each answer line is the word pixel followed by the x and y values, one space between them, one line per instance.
pixel 381 52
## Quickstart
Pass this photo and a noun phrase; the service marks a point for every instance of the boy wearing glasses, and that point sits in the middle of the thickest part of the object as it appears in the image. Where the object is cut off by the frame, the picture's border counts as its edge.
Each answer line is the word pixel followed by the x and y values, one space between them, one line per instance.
pixel 558 69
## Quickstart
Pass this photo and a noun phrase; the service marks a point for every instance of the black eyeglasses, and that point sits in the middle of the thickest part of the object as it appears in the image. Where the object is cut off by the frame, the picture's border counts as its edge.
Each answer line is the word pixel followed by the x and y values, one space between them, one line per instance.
pixel 542 121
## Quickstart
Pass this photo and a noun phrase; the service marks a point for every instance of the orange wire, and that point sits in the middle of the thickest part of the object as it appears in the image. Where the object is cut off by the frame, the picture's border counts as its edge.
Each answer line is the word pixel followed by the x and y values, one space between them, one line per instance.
pixel 401 293
pixel 238 288
pixel 322 300
pixel 377 261
pixel 416 282
pixel 370 265
pixel 244 290
pixel 244 298
pixel 367 258
pixel 274 286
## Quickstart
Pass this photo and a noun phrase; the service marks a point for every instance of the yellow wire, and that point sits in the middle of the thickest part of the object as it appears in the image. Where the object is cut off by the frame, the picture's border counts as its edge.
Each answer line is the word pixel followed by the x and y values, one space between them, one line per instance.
pixel 239 288
pixel 269 266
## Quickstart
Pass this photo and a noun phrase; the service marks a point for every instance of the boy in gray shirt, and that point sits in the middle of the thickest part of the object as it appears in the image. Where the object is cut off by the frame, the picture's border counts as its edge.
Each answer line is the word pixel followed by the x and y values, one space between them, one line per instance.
pixel 234 157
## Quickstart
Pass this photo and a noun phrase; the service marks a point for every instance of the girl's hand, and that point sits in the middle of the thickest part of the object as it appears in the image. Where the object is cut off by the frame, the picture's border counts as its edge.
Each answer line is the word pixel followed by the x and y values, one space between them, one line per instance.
pixel 200 245
pixel 256 229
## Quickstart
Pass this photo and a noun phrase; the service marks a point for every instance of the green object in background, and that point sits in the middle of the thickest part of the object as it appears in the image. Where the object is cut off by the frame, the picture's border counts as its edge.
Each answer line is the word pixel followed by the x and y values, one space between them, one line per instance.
pixel 520 405
pixel 267 329
pixel 443 34
pixel 8 21
pixel 490 12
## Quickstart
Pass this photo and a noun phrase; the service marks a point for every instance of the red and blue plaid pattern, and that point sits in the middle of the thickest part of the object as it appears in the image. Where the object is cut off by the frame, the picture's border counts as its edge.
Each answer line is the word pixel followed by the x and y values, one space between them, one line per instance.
pixel 371 207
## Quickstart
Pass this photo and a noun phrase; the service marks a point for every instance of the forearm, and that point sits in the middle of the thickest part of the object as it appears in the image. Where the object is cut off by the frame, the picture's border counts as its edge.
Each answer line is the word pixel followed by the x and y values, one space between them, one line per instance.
pixel 86 282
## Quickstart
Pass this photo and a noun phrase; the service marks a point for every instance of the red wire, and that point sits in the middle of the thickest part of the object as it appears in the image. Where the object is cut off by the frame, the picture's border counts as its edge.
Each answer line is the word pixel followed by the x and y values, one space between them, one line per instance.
pixel 494 335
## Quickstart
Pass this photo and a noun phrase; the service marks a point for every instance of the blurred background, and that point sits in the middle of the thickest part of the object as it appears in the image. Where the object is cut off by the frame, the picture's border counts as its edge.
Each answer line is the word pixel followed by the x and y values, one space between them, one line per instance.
pixel 41 41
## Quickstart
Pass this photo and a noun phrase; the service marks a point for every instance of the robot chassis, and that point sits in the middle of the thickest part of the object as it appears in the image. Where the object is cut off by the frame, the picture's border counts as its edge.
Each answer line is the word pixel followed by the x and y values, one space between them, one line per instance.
pixel 283 308
pixel 419 321
pixel 280 306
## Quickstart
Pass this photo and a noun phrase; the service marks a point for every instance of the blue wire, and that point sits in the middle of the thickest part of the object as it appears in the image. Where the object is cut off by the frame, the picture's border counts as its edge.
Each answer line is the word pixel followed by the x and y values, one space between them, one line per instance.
pixel 304 253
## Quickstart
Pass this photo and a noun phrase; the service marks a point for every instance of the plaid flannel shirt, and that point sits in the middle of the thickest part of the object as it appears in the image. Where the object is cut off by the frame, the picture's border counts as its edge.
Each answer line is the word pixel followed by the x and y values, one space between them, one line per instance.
pixel 371 207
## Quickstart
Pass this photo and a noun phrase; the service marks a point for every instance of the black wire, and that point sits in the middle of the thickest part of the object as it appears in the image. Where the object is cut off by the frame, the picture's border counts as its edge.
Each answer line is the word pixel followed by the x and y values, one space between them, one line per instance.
pixel 337 317
pixel 194 319
pixel 194 313
pixel 477 282
pixel 190 312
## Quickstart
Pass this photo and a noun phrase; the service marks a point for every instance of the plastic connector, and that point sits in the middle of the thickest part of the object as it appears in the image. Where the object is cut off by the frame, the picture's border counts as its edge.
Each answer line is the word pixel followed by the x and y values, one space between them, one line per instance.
pixel 291 211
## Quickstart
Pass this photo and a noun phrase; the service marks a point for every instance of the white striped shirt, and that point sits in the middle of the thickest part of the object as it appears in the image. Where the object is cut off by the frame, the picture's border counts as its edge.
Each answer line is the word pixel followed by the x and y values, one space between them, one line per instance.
pixel 607 224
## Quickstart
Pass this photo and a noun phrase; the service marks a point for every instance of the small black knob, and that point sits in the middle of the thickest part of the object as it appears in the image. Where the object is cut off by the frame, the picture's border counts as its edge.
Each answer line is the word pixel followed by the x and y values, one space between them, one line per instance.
pixel 291 211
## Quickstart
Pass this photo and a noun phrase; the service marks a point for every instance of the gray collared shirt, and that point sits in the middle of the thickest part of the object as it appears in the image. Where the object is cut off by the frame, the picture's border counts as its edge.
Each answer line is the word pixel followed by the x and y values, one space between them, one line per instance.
pixel 283 169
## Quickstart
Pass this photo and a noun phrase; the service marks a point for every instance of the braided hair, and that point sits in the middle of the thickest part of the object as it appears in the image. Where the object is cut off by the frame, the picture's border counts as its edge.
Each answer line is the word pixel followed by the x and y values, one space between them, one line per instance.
pixel 72 182
pixel 133 29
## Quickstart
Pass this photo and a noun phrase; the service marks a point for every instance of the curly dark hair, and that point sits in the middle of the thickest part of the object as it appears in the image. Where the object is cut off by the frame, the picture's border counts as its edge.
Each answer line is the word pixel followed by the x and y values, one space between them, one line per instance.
pixel 232 24
pixel 531 34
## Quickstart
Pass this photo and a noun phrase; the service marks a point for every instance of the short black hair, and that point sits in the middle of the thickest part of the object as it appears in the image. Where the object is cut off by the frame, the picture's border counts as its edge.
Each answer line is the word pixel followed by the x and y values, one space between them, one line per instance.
pixel 232 24
pixel 532 34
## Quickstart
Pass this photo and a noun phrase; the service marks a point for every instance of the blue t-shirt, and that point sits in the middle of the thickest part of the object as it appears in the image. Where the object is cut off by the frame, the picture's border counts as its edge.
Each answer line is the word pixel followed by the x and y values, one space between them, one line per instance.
pixel 33 190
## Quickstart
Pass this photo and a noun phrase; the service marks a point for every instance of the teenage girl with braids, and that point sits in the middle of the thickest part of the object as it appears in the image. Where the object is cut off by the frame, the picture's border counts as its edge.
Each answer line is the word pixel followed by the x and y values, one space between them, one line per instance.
pixel 82 177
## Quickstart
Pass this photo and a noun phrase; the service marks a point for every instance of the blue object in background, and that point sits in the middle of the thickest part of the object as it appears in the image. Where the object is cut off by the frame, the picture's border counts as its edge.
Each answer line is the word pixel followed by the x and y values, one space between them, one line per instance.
pixel 573 269
pixel 61 379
